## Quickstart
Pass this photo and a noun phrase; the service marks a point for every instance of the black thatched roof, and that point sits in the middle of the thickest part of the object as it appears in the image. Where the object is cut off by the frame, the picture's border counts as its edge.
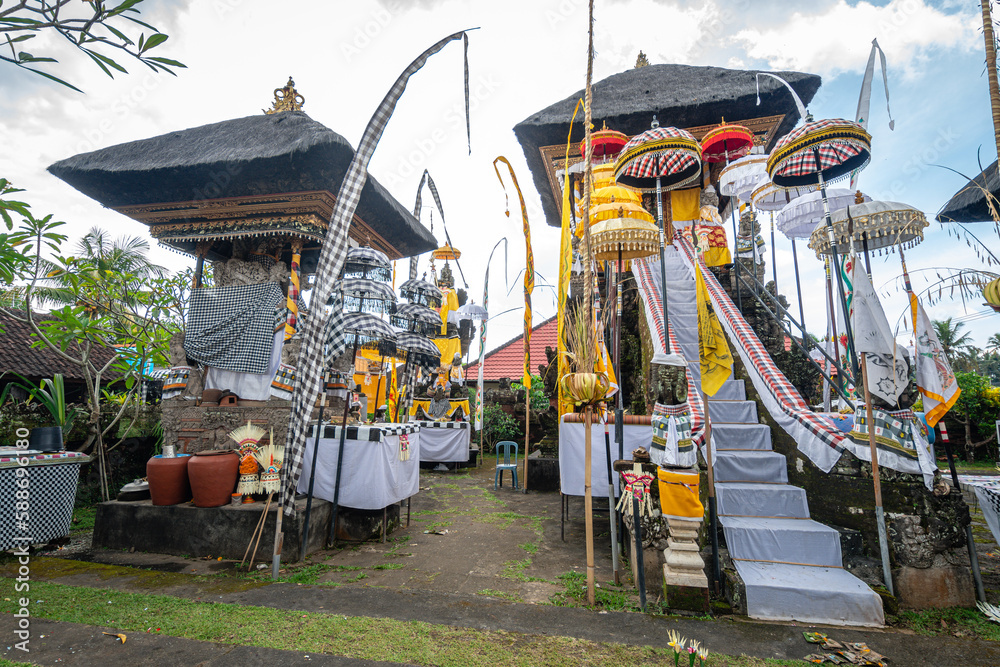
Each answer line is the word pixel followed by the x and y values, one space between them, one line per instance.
pixel 680 95
pixel 257 155
pixel 969 203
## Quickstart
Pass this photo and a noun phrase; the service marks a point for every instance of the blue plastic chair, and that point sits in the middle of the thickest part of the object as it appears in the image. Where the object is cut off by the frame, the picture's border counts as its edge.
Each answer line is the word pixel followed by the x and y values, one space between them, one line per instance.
pixel 505 446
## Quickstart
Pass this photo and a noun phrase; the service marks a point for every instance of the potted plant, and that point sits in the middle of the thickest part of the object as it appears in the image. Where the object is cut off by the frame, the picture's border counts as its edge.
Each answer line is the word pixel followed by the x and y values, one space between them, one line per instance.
pixel 51 393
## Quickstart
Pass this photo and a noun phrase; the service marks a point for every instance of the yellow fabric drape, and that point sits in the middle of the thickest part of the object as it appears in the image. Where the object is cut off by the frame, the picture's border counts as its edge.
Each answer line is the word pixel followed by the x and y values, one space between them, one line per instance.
pixel 565 267
pixel 716 360
pixel 393 399
pixel 449 348
pixel 686 204
pixel 449 302
pixel 679 495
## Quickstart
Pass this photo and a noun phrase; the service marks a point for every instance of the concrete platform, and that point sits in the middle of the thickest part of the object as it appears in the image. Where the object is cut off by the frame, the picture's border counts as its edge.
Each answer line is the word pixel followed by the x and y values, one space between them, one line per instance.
pixel 186 530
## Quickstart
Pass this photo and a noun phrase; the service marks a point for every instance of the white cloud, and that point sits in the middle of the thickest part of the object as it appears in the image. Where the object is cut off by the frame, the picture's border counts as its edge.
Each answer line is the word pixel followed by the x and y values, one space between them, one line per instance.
pixel 837 38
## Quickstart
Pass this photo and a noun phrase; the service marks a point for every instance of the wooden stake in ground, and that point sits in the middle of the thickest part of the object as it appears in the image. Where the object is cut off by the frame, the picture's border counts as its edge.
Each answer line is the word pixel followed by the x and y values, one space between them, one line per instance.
pixel 879 511
pixel 527 422
pixel 267 506
pixel 588 511
pixel 279 536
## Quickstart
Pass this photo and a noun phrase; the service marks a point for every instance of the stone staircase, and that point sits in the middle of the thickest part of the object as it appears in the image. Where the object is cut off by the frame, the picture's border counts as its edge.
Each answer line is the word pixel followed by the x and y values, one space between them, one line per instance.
pixel 790 565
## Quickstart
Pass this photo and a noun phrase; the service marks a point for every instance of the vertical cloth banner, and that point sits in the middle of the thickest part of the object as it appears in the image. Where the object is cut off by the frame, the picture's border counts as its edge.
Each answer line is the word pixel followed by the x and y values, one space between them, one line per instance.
pixel 565 268
pixel 888 373
pixel 865 98
pixel 529 267
pixel 716 360
pixel 331 261
pixel 935 379
pixel 418 204
pixel 292 303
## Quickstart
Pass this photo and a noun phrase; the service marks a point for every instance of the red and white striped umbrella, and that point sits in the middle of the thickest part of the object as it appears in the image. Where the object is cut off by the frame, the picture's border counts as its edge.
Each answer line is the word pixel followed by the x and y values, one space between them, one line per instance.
pixel 820 151
pixel 666 153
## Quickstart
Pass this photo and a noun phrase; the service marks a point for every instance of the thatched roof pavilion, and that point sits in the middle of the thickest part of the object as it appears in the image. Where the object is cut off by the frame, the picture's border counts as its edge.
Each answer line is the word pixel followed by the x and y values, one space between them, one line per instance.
pixel 970 203
pixel 263 175
pixel 693 98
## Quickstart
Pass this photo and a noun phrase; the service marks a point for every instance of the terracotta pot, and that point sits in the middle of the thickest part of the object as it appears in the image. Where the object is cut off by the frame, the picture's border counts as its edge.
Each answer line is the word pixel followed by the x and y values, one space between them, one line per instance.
pixel 168 479
pixel 213 476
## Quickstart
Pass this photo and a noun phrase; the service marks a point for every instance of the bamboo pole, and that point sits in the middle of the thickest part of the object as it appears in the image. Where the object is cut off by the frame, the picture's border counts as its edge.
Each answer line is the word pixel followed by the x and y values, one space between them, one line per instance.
pixel 879 510
pixel 991 70
pixel 588 514
pixel 527 424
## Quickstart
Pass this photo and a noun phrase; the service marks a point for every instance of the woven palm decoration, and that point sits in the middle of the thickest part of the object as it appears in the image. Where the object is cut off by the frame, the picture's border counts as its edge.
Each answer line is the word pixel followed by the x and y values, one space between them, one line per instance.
pixel 249 479
pixel 270 457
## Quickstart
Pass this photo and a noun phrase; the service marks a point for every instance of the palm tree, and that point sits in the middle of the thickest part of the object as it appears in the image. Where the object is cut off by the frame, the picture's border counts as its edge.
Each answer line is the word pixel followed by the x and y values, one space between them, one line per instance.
pixel 993 343
pixel 101 269
pixel 952 339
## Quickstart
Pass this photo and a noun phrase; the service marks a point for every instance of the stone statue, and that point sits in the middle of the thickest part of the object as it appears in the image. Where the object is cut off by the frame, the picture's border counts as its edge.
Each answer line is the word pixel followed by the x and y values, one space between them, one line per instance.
pixel 178 357
pixel 670 384
pixel 440 405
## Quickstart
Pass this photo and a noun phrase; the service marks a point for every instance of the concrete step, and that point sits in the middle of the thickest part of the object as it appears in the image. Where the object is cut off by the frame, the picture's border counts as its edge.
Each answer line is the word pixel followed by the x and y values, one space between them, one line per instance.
pixel 732 390
pixel 741 436
pixel 750 466
pixel 732 412
pixel 780 592
pixel 761 500
pixel 800 541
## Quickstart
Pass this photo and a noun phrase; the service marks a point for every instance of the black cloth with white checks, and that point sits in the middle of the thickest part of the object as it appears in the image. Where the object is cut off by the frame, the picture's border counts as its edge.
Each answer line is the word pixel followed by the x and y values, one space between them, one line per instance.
pixel 232 328
pixel 427 424
pixel 331 260
pixel 369 433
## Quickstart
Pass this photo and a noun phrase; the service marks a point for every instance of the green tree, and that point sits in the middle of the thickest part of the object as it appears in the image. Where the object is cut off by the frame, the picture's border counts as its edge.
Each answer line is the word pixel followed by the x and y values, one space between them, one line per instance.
pixel 993 343
pixel 977 409
pixel 98 30
pixel 957 344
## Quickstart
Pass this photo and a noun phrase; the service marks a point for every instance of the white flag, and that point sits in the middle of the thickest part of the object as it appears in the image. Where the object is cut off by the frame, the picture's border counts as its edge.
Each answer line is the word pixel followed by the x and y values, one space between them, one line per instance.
pixel 935 379
pixel 887 366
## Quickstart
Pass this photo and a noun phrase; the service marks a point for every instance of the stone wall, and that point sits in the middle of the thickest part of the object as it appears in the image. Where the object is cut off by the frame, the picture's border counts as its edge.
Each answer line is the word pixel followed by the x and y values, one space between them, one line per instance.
pixel 194 428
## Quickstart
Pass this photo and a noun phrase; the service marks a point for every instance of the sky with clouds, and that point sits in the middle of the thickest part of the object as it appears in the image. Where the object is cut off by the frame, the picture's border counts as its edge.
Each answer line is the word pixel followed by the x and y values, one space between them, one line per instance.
pixel 525 56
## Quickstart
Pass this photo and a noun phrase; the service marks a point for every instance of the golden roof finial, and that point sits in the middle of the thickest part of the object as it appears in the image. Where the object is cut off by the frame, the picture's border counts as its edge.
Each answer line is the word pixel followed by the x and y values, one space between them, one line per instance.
pixel 642 60
pixel 286 99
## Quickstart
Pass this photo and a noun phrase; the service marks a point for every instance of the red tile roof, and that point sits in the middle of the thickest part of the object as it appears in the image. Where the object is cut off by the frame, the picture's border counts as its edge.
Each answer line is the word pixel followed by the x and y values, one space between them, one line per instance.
pixel 17 354
pixel 507 361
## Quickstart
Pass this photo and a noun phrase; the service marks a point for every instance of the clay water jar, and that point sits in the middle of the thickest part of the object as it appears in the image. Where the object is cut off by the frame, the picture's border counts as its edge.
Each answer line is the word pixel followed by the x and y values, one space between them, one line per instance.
pixel 213 476
pixel 168 479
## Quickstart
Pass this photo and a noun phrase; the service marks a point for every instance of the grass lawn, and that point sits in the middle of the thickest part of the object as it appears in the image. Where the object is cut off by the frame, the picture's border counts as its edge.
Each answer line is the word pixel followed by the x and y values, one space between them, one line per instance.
pixel 356 637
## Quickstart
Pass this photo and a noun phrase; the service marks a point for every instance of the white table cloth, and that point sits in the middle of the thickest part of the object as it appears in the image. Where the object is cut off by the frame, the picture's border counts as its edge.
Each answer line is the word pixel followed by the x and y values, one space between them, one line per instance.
pixel 571 449
pixel 372 476
pixel 444 442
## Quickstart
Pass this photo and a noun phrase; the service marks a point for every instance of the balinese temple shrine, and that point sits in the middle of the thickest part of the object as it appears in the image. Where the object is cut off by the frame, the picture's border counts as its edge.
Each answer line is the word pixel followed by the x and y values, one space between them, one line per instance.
pixel 252 197
pixel 772 484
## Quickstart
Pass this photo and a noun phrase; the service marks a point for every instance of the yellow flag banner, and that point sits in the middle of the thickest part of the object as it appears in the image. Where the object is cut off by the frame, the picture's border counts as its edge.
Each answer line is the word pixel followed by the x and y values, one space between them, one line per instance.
pixel 716 360
pixel 565 267
pixel 529 267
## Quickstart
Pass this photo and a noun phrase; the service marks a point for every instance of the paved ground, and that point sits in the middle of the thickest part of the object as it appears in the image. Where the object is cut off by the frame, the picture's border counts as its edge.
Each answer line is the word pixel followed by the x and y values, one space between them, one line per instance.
pixel 470 558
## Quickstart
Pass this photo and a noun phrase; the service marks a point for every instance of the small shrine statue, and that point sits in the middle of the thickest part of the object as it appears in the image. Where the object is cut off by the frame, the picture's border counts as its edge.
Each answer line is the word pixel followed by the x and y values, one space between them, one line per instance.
pixel 440 405
pixel 354 414
pixel 184 380
pixel 672 445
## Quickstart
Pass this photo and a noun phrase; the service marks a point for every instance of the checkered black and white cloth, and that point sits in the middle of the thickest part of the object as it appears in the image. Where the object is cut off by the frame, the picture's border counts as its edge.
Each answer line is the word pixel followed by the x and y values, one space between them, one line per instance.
pixel 660 151
pixel 370 433
pixel 427 424
pixel 52 490
pixel 331 261
pixel 232 328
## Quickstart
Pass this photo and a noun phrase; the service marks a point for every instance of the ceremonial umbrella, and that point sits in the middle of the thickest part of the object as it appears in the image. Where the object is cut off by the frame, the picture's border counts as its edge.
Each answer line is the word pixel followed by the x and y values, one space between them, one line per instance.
pixel 876 225
pixel 820 152
pixel 726 142
pixel 361 295
pixel 414 317
pixel 472 311
pixel 366 262
pixel 799 217
pixel 664 158
pixel 446 252
pixel 769 197
pixel 607 143
pixel 422 292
